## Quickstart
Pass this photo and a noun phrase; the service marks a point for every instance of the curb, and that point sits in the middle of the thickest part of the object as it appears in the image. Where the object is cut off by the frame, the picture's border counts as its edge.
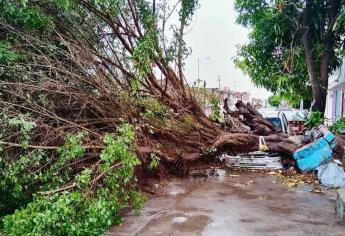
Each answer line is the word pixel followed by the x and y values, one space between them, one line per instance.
pixel 340 203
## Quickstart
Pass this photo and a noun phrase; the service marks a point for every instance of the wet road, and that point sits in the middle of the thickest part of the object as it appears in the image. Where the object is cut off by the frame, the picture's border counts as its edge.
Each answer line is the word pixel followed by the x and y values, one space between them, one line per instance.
pixel 224 204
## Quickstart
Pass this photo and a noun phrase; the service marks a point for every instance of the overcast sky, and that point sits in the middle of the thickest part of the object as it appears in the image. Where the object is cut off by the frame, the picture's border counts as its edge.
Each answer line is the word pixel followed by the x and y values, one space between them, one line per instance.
pixel 215 34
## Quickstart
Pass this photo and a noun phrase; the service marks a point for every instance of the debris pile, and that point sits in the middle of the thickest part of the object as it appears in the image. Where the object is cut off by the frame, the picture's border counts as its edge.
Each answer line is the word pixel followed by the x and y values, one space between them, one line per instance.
pixel 295 179
pixel 313 163
pixel 318 152
pixel 318 157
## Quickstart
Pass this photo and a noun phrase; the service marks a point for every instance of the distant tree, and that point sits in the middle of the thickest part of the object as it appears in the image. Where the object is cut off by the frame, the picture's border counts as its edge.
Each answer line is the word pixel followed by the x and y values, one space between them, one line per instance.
pixel 274 100
pixel 294 45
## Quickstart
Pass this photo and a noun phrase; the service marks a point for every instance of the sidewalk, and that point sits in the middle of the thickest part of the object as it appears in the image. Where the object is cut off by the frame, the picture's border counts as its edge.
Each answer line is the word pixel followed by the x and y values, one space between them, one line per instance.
pixel 225 204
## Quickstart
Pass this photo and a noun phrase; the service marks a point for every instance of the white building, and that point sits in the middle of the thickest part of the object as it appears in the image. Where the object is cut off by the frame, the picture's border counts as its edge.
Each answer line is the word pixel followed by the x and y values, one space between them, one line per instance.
pixel 335 105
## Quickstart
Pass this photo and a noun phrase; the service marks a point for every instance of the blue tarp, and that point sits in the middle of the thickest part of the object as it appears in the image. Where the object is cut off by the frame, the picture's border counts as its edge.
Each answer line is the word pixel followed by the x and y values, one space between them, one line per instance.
pixel 319 152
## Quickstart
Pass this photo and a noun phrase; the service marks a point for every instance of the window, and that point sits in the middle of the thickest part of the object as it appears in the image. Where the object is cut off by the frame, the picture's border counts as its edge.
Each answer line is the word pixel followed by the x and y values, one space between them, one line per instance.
pixel 276 121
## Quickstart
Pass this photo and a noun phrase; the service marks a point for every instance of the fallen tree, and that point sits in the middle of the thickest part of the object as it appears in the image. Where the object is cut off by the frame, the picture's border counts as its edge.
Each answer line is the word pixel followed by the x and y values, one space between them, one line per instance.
pixel 98 101
pixel 88 86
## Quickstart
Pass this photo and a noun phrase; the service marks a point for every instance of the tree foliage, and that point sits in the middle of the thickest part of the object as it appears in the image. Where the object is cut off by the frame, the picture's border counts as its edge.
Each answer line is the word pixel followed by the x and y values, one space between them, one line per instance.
pixel 274 100
pixel 294 45
pixel 78 88
pixel 83 211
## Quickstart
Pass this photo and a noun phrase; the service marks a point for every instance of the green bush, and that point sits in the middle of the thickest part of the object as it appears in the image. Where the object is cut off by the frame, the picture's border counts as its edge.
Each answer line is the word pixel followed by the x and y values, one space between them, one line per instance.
pixel 87 207
pixel 337 126
pixel 215 115
pixel 65 214
pixel 71 213
pixel 275 100
pixel 314 119
pixel 16 183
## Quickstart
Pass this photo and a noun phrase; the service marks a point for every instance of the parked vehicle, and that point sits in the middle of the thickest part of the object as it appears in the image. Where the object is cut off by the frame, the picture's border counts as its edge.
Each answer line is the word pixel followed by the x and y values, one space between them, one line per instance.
pixel 260 159
pixel 294 114
pixel 296 119
pixel 254 160
pixel 278 118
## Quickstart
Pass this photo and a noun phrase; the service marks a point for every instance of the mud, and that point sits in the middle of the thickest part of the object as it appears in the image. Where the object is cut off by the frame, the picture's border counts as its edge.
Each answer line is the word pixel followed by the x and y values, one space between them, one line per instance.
pixel 221 204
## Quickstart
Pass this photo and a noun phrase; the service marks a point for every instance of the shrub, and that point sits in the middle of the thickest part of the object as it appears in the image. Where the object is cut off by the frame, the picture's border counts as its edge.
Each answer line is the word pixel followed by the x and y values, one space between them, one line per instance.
pixel 315 119
pixel 337 126
pixel 70 213
pixel 215 115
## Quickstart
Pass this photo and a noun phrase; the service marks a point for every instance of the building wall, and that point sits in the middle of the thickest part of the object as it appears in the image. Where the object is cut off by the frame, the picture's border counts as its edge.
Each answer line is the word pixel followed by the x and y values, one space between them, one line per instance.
pixel 338 104
pixel 335 97
pixel 245 97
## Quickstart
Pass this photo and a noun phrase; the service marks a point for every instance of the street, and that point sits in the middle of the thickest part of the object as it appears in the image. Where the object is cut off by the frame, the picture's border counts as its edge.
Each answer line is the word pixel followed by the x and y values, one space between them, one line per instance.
pixel 233 203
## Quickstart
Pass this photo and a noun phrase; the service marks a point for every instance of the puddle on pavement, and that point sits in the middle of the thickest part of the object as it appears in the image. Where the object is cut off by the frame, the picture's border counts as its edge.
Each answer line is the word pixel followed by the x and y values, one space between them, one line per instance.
pixel 175 189
pixel 250 220
pixel 179 220
pixel 192 224
pixel 219 174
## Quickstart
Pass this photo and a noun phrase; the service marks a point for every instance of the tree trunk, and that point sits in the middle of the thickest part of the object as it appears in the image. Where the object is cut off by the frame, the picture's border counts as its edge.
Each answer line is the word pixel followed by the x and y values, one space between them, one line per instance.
pixel 318 99
pixel 319 85
pixel 328 42
pixel 180 54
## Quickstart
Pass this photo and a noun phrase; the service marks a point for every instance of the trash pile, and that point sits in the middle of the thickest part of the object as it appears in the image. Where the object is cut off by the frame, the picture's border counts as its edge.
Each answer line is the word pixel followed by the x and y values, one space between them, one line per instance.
pixel 315 161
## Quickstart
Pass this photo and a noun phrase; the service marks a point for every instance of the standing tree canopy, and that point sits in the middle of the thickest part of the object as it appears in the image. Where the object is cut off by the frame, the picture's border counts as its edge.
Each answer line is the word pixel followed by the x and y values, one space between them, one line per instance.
pixel 294 45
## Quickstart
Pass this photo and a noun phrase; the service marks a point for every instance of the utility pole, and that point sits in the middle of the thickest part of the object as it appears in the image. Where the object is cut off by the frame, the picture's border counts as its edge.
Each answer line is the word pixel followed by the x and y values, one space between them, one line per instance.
pixel 220 93
pixel 205 94
pixel 199 80
pixel 198 70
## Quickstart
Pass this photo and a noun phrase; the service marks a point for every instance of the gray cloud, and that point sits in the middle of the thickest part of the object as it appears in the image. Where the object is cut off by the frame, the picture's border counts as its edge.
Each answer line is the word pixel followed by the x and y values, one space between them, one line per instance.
pixel 215 34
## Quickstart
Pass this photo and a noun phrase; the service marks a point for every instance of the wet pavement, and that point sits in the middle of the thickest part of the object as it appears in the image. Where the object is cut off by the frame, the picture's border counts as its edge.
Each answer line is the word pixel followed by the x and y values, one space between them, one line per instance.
pixel 234 203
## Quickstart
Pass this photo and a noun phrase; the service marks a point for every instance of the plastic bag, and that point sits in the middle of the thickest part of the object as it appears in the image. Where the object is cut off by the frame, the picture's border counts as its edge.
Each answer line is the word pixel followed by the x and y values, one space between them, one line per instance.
pixel 262 144
pixel 331 175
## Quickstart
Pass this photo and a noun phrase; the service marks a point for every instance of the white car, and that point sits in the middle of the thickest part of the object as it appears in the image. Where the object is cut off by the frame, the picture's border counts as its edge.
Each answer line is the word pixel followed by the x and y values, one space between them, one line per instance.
pixel 254 160
pixel 295 114
pixel 258 159
pixel 278 118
